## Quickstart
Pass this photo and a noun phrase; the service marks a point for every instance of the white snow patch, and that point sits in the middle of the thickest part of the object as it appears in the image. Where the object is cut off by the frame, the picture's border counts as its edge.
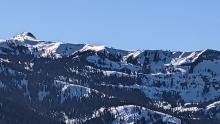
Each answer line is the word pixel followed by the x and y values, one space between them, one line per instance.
pixel 213 105
pixel 92 48
pixel 126 114
pixel 134 54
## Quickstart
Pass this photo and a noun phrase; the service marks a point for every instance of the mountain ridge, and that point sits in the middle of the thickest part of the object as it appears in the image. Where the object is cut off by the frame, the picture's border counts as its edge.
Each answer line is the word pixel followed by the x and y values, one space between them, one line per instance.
pixel 33 38
pixel 81 83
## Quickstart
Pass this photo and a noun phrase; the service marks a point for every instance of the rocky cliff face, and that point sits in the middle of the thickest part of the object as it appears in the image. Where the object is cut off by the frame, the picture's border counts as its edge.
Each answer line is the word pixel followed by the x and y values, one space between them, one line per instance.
pixel 55 82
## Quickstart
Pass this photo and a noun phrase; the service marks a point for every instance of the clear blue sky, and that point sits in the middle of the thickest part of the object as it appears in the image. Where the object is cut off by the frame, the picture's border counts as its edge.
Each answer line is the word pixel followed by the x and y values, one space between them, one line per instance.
pixel 127 24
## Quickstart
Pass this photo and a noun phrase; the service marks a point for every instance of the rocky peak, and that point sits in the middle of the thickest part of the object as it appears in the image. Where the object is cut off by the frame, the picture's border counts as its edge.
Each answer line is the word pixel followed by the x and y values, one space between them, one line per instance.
pixel 24 36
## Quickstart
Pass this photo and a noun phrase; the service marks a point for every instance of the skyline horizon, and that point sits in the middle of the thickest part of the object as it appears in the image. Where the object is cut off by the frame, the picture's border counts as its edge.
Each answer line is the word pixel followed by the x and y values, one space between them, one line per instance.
pixel 70 42
pixel 175 25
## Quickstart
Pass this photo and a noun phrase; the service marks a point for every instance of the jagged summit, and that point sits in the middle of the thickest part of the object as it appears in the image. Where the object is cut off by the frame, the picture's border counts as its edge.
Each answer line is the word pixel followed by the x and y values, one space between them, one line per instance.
pixel 24 36
pixel 28 36
pixel 45 48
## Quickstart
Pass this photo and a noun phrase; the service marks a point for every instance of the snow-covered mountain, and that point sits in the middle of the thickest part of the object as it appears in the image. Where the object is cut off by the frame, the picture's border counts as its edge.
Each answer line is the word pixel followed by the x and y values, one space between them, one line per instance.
pixel 55 82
